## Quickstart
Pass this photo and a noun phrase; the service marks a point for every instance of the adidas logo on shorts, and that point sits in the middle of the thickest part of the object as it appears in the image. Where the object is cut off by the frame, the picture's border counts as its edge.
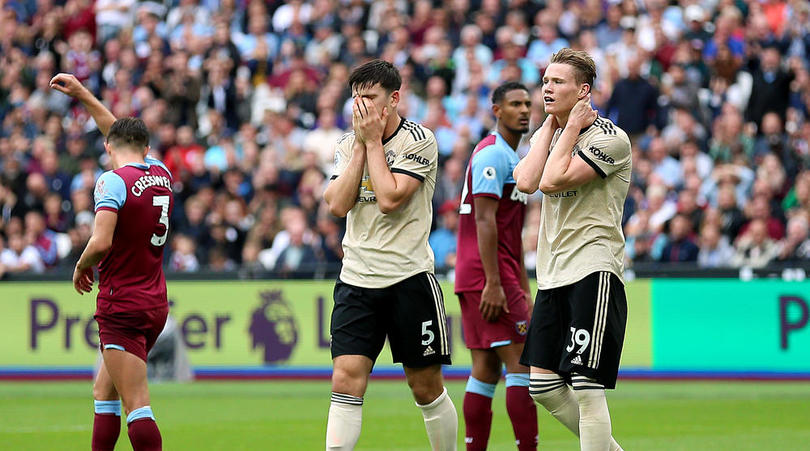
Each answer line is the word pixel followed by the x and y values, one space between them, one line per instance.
pixel 576 360
pixel 428 351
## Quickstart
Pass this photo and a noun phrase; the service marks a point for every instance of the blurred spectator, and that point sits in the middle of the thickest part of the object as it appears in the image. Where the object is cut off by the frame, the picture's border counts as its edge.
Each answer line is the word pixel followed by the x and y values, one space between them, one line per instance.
pixel 715 249
pixel 680 247
pixel 298 259
pixel 443 239
pixel 771 88
pixel 755 249
pixel 21 257
pixel 796 245
pixel 183 257
pixel 759 209
pixel 42 239
pixel 633 105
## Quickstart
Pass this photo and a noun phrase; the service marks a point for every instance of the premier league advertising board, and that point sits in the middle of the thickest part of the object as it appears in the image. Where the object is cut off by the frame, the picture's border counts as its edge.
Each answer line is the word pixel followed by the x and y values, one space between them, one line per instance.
pixel 281 329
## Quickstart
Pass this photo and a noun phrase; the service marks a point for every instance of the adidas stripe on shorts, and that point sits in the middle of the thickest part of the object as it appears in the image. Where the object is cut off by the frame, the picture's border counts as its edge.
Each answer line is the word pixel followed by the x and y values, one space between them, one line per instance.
pixel 410 313
pixel 579 328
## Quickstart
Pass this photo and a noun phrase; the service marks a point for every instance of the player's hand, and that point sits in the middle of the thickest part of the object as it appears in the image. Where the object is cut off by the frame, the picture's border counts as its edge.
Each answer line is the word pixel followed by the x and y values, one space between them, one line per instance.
pixel 582 115
pixel 68 84
pixel 368 122
pixel 493 301
pixel 83 280
pixel 551 122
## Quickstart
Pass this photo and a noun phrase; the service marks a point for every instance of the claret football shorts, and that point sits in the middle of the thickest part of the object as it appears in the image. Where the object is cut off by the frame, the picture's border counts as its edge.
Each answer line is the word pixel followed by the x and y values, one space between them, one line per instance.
pixel 133 332
pixel 509 328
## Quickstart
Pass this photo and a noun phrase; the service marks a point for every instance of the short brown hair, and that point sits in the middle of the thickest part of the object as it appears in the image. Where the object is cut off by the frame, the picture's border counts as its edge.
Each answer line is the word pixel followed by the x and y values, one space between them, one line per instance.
pixel 584 67
pixel 130 132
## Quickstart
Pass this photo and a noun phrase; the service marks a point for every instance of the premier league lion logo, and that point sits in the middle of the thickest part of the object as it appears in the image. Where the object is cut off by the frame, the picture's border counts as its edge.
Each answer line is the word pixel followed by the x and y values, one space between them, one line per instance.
pixel 272 325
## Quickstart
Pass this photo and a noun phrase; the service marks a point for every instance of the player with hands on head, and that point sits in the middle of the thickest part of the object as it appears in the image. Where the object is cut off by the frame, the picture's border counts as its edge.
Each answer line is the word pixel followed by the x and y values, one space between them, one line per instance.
pixel 491 280
pixel 133 203
pixel 582 164
pixel 385 175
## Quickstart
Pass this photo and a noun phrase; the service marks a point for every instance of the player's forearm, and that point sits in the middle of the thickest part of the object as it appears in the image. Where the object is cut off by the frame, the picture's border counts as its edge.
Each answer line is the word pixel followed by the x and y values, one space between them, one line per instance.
pixel 559 159
pixel 103 117
pixel 528 171
pixel 93 253
pixel 487 232
pixel 389 195
pixel 341 193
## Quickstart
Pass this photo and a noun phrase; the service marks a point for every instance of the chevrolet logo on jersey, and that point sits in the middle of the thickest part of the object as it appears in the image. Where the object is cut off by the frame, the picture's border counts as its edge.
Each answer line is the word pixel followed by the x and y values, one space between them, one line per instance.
pixel 366 193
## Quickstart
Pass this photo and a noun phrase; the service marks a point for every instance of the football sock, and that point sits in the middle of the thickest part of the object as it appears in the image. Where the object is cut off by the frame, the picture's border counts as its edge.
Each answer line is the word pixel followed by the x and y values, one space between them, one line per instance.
pixel 143 431
pixel 344 423
pixel 594 417
pixel 441 422
pixel 106 425
pixel 521 411
pixel 477 413
pixel 550 391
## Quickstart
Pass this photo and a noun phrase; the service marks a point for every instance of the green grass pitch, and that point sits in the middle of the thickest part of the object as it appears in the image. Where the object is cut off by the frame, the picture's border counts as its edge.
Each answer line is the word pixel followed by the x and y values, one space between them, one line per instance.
pixel 273 415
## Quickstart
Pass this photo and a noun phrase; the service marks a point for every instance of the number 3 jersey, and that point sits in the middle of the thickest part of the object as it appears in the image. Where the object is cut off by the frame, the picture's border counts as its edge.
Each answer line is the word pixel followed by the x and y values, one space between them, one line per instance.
pixel 131 274
pixel 489 174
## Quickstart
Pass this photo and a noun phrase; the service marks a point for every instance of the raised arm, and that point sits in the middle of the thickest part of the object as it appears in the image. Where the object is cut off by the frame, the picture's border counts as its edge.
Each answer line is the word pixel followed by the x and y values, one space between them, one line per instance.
pixel 392 189
pixel 528 171
pixel 341 193
pixel 70 85
pixel 563 171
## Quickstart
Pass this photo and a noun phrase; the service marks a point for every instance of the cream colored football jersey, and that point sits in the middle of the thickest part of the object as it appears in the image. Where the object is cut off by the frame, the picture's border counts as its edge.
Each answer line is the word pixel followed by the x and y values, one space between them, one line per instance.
pixel 580 228
pixel 381 250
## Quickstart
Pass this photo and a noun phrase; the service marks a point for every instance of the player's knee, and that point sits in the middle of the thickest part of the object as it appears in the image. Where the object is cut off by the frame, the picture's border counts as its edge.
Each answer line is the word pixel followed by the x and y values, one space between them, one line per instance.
pixel 590 394
pixel 545 387
pixel 425 390
pixel 348 381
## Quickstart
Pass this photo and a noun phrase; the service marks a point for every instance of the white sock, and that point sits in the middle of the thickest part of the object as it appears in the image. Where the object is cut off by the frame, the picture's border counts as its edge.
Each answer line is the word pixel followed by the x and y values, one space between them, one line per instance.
pixel 594 417
pixel 550 391
pixel 345 420
pixel 441 422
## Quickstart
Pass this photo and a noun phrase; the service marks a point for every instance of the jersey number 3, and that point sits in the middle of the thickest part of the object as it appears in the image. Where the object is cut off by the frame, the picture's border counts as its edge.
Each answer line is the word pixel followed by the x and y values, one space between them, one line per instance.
pixel 163 203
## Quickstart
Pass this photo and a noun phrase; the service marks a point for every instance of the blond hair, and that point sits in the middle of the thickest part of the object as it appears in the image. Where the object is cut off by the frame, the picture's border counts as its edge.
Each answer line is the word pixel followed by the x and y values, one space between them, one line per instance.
pixel 584 67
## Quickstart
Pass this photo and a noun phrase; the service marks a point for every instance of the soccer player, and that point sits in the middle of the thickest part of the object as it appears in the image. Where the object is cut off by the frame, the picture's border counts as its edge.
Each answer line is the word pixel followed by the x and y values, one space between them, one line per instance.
pixel 385 174
pixel 581 162
pixel 491 281
pixel 133 205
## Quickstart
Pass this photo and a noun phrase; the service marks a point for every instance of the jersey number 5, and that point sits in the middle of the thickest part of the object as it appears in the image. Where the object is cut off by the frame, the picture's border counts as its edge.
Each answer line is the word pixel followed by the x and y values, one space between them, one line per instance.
pixel 163 203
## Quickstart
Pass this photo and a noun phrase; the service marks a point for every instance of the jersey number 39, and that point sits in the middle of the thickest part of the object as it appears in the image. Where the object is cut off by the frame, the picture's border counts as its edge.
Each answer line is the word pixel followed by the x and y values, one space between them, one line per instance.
pixel 163 203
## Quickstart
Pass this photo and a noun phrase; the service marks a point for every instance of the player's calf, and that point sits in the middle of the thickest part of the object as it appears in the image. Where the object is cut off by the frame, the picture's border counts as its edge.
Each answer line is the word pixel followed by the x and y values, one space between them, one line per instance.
pixel 594 417
pixel 106 424
pixel 521 411
pixel 477 413
pixel 143 430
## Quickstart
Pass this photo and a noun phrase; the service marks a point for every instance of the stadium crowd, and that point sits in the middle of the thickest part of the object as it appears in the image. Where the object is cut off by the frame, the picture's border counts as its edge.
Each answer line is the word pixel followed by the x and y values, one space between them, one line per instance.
pixel 246 98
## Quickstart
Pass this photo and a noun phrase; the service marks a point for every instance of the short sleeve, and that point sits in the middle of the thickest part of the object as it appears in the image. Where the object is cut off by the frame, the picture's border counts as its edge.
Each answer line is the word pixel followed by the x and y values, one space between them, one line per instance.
pixel 606 154
pixel 419 158
pixel 489 170
pixel 110 192
pixel 342 154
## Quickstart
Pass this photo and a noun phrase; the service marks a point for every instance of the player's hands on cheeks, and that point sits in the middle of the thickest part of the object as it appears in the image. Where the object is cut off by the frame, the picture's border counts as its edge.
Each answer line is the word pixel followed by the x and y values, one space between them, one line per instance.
pixel 368 122
pixel 67 84
pixel 493 300
pixel 582 115
pixel 83 280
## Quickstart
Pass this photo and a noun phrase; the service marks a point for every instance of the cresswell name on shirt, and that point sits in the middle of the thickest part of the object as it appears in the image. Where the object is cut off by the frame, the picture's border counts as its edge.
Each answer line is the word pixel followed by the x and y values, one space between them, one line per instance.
pixel 146 181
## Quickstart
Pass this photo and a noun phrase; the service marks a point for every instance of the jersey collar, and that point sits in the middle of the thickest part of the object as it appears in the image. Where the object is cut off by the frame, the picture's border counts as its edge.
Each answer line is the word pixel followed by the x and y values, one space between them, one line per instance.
pixel 399 127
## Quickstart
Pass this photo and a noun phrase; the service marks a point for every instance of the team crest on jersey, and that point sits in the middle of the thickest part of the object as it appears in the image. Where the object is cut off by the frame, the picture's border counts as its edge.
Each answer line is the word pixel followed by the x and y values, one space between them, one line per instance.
pixel 522 327
pixel 489 173
pixel 390 156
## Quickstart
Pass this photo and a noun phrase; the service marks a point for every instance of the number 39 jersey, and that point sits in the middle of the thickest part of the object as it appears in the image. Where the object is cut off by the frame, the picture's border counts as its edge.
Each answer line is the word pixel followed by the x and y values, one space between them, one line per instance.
pixel 131 274
pixel 489 174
